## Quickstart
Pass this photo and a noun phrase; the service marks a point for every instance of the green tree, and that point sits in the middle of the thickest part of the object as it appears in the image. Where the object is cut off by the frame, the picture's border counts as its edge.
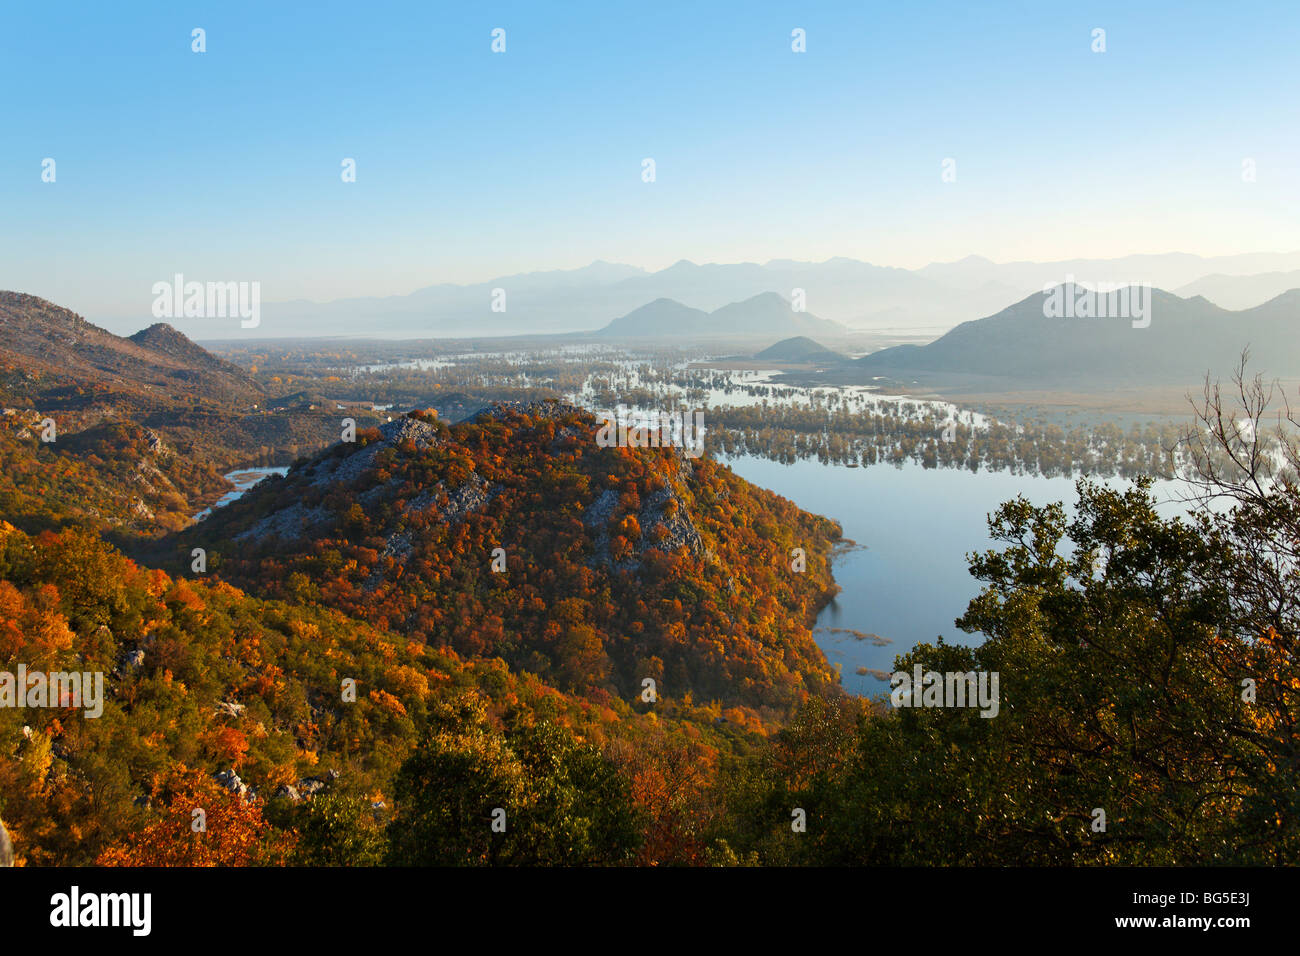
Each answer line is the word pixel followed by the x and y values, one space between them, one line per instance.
pixel 559 801
pixel 337 829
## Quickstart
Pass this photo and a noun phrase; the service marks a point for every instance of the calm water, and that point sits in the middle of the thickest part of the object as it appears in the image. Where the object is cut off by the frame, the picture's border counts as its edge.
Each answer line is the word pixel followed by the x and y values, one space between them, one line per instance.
pixel 908 581
pixel 243 479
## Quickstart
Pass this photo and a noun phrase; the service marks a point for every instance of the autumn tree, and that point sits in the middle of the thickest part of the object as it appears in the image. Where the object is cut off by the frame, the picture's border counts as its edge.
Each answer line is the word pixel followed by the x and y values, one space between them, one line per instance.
pixel 201 824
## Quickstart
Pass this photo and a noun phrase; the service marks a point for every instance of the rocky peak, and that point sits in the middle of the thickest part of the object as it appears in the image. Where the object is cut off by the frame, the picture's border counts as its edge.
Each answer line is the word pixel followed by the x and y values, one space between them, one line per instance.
pixel 549 408
pixel 420 433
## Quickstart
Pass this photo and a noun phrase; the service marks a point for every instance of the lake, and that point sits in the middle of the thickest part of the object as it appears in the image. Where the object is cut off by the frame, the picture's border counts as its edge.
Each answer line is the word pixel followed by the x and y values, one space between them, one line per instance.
pixel 243 479
pixel 908 581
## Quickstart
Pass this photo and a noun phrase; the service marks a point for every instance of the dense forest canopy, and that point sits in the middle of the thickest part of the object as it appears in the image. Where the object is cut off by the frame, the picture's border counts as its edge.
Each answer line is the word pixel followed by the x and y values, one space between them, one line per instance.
pixel 615 564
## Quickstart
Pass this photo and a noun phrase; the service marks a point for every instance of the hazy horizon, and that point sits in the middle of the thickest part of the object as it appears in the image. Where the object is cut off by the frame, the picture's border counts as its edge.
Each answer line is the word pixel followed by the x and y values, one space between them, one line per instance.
pixel 982 286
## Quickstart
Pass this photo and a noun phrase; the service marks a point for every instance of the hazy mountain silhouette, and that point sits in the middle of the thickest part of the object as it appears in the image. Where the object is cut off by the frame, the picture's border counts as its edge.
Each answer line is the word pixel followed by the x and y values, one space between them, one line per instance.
pixel 800 349
pixel 764 314
pixel 856 294
pixel 1242 292
pixel 1185 339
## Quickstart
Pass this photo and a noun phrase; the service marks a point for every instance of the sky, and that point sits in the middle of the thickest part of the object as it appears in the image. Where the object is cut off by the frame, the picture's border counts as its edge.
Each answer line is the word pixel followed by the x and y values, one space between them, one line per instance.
pixel 226 165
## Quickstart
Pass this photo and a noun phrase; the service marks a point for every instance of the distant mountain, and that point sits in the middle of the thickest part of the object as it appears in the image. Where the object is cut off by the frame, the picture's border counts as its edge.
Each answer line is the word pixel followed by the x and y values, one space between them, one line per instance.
pixel 1242 292
pixel 841 290
pixel 763 314
pixel 1185 339
pixel 660 317
pixel 800 349
pixel 60 346
pixel 127 403
pixel 844 290
pixel 856 294
pixel 581 300
pixel 160 339
pixel 1163 271
pixel 768 312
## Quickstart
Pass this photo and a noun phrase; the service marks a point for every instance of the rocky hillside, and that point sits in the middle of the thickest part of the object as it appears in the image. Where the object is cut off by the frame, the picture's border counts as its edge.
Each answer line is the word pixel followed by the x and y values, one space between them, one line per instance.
pixel 111 475
pixel 46 348
pixel 135 397
pixel 160 339
pixel 514 534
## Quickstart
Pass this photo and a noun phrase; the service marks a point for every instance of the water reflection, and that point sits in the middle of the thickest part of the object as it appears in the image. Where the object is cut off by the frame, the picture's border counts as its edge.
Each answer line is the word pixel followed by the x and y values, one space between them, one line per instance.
pixel 908 581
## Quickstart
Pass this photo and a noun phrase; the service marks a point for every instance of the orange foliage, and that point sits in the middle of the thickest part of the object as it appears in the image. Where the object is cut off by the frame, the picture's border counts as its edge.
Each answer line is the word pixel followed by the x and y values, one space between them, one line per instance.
pixel 234 834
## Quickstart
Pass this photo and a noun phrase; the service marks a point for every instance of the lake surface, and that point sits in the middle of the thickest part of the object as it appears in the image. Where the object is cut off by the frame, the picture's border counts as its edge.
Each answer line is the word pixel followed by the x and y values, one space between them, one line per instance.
pixel 909 580
pixel 243 479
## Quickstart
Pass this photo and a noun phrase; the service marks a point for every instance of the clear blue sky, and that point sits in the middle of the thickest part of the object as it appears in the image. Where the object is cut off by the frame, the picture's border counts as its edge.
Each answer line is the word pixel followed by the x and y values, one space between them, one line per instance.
pixel 225 165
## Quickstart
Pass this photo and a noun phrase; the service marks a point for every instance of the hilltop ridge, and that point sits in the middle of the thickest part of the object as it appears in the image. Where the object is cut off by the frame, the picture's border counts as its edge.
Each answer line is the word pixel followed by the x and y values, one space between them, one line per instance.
pixel 513 533
pixel 58 348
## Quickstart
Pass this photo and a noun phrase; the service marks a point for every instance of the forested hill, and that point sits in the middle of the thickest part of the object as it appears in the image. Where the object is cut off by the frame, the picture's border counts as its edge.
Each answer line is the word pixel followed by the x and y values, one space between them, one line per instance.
pixel 132 433
pixel 214 699
pixel 616 564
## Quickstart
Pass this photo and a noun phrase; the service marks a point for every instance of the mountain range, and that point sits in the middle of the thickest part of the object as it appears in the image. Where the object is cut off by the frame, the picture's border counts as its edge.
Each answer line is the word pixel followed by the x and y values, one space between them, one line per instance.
pixel 764 314
pixel 1241 292
pixel 1022 345
pixel 853 293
